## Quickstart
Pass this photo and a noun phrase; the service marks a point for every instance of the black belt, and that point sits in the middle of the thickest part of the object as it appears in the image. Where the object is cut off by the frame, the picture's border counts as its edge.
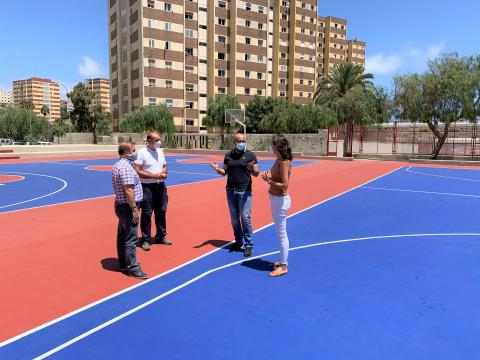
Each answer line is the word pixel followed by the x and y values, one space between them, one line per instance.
pixel 139 203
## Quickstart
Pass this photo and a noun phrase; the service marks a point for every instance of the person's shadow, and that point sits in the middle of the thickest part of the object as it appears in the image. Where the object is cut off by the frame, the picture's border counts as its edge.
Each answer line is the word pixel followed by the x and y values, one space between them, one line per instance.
pixel 213 242
pixel 110 264
pixel 258 264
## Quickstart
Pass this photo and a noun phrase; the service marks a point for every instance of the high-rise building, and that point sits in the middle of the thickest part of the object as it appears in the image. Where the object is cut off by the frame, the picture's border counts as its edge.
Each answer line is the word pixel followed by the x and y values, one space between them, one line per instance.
pixel 356 52
pixel 42 92
pixel 101 88
pixel 181 53
pixel 334 48
pixel 6 96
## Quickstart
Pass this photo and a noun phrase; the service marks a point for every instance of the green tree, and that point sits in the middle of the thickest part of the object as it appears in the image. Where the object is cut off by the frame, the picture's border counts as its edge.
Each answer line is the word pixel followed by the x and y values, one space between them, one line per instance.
pixel 216 112
pixel 27 104
pixel 447 92
pixel 22 124
pixel 81 114
pixel 45 110
pixel 146 118
pixel 256 110
pixel 349 93
pixel 59 129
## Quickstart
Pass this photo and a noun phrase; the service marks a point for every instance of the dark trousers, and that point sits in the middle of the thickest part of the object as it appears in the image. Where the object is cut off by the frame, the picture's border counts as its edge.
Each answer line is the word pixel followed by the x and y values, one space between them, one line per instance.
pixel 127 238
pixel 155 200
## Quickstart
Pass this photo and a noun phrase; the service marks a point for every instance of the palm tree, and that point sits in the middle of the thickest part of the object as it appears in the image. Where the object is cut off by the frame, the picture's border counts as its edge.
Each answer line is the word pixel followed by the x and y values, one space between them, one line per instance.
pixel 336 85
pixel 45 110
pixel 27 104
pixel 342 79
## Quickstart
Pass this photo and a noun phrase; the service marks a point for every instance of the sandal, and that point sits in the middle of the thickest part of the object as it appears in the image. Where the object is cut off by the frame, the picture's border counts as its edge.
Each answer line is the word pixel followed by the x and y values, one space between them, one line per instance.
pixel 281 270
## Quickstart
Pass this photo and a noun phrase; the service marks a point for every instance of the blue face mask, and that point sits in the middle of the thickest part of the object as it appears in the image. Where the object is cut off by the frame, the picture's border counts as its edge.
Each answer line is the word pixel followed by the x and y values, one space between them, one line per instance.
pixel 240 146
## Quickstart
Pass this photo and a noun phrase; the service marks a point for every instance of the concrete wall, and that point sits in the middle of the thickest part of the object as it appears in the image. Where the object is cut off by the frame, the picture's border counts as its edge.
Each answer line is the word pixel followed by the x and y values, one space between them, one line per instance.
pixel 308 144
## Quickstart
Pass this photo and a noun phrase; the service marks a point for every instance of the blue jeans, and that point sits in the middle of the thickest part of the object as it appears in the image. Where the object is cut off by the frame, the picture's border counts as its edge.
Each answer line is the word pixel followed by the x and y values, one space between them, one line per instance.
pixel 240 205
pixel 127 238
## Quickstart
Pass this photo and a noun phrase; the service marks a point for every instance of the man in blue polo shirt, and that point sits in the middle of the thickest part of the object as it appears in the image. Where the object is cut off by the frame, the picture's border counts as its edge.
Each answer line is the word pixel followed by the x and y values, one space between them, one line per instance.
pixel 239 165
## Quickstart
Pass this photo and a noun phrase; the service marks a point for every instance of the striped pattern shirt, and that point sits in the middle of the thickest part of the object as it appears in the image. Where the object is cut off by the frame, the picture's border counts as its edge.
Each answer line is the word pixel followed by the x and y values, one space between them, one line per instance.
pixel 124 174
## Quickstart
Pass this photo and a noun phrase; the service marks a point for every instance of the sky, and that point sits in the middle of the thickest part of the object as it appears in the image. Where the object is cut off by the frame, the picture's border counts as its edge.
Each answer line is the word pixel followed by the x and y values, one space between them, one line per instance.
pixel 67 41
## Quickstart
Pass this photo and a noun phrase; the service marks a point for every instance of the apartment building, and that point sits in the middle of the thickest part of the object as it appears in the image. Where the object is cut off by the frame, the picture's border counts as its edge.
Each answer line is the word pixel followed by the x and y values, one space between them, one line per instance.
pixel 356 52
pixel 6 96
pixel 181 53
pixel 42 92
pixel 101 88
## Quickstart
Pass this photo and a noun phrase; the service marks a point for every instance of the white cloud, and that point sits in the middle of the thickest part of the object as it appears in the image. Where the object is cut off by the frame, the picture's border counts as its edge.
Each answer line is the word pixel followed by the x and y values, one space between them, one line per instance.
pixel 90 68
pixel 381 64
pixel 408 59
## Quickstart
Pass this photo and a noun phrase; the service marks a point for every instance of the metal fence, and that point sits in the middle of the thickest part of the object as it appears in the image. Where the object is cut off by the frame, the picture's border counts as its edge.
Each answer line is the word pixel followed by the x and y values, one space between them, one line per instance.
pixel 405 139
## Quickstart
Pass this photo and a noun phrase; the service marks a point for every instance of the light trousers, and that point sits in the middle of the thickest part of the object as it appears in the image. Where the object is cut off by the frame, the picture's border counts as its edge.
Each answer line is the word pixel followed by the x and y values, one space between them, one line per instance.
pixel 280 205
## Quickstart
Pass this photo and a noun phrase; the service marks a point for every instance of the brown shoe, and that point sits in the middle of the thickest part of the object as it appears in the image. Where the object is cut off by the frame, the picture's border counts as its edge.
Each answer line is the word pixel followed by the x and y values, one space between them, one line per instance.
pixel 281 270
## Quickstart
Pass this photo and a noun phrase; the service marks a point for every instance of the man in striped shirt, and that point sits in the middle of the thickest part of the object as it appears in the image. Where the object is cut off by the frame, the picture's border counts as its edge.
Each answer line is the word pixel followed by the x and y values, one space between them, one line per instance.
pixel 128 199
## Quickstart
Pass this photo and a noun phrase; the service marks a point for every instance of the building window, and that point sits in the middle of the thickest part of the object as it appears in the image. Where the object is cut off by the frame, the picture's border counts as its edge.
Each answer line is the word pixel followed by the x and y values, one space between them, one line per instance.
pixel 221 56
pixel 151 82
pixel 189 33
pixel 188 51
pixel 169 102
pixel 259 92
pixel 151 23
pixel 202 9
pixel 168 84
pixel 222 90
pixel 168 45
pixel 260 26
pixel 189 104
pixel 260 9
pixel 282 93
pixel 168 26
pixel 260 43
pixel 204 27
pixel 190 122
pixel 189 16
pixel 222 4
pixel 260 59
pixel 247 91
pixel 201 43
pixel 152 101
pixel 247 74
pixel 151 62
pixel 151 4
pixel 301 93
pixel 247 57
pixel 189 69
pixel 248 40
pixel 221 21
pixel 259 76
pixel 168 65
pixel 248 6
pixel 247 23
pixel 221 73
pixel 222 39
pixel 202 78
pixel 167 7
pixel 151 43
pixel 189 87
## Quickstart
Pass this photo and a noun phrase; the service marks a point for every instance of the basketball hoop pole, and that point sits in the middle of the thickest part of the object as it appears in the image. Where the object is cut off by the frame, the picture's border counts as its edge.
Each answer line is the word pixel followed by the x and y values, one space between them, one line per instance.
pixel 234 120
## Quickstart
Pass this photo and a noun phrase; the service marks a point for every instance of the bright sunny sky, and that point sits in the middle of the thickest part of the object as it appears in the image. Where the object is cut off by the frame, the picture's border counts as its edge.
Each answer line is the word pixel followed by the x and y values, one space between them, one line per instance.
pixel 66 40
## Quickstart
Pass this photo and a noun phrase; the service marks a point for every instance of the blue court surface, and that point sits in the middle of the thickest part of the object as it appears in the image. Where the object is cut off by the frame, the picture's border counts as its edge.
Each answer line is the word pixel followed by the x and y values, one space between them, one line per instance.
pixel 49 183
pixel 389 270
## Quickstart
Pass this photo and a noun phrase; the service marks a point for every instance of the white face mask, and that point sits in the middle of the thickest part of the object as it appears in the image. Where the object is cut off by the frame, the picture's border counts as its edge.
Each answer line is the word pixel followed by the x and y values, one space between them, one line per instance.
pixel 158 144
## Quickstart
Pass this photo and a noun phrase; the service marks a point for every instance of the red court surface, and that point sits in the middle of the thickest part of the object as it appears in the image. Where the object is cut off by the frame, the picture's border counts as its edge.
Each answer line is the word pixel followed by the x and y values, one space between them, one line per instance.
pixel 57 259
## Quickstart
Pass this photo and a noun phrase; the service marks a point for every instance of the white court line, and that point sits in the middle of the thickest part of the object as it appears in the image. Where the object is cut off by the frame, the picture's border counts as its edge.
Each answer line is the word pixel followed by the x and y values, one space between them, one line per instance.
pixel 37 198
pixel 9 182
pixel 98 197
pixel 190 173
pixel 420 191
pixel 54 321
pixel 206 273
pixel 440 176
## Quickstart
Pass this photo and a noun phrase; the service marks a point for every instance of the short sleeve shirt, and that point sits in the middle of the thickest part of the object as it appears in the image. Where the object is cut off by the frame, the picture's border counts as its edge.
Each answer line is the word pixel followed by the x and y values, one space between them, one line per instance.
pixel 151 161
pixel 124 174
pixel 238 176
